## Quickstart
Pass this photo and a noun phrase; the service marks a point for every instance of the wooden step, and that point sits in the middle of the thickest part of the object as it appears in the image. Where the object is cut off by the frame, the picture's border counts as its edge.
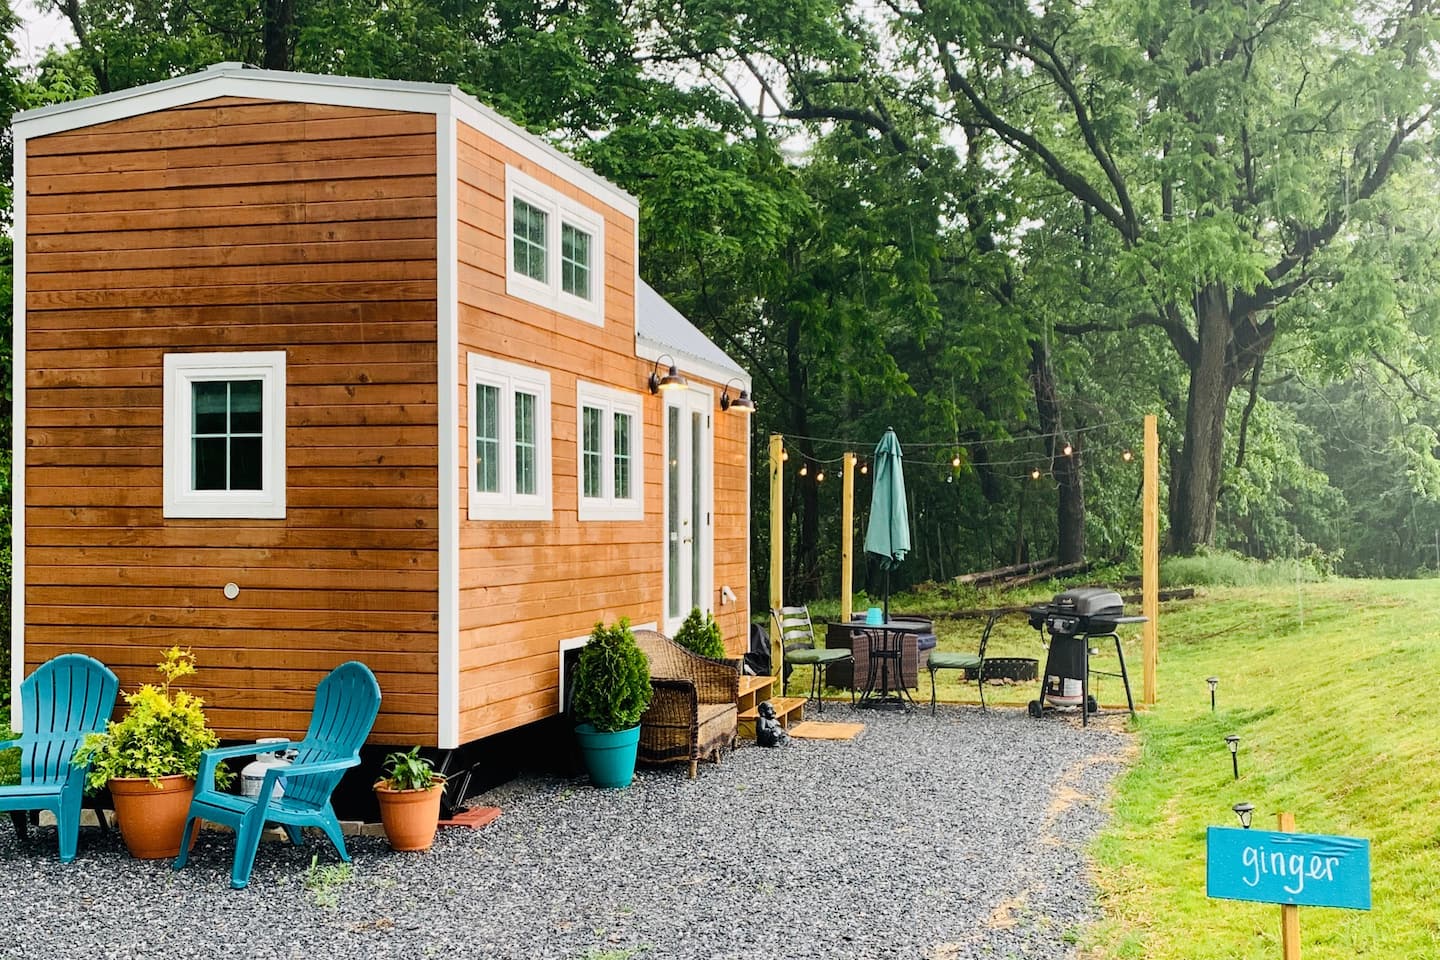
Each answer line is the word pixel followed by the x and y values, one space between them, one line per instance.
pixel 787 709
pixel 749 684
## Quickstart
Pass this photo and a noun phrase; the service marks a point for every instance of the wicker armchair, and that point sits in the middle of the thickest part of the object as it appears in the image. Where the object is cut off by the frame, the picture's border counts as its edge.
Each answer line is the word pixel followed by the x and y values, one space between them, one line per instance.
pixel 692 716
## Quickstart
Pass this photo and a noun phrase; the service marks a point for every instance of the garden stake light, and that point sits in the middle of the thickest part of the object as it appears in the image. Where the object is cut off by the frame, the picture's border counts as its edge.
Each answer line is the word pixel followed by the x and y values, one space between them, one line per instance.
pixel 1214 682
pixel 1233 742
pixel 1244 811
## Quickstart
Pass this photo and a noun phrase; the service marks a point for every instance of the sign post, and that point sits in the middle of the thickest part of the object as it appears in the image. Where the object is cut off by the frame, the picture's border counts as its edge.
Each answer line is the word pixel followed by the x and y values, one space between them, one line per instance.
pixel 1288 868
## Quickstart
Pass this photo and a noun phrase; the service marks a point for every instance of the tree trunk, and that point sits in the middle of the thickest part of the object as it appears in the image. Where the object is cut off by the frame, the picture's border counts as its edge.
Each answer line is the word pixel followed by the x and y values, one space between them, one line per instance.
pixel 803 565
pixel 279 34
pixel 1070 510
pixel 1197 479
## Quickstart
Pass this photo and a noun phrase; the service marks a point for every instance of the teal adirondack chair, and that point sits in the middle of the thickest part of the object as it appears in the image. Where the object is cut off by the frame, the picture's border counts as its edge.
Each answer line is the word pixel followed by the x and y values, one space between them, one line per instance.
pixel 346 703
pixel 62 701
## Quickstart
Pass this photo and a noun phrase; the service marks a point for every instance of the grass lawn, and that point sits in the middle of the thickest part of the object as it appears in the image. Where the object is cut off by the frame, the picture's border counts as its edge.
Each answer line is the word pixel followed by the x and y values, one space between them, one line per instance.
pixel 1338 725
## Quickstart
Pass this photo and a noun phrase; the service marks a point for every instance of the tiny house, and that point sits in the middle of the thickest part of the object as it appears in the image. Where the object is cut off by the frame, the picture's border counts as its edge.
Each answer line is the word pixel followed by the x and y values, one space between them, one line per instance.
pixel 312 369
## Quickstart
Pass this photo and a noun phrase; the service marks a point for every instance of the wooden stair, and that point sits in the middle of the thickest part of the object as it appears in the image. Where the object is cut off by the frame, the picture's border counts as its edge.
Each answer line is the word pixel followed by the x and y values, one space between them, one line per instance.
pixel 755 691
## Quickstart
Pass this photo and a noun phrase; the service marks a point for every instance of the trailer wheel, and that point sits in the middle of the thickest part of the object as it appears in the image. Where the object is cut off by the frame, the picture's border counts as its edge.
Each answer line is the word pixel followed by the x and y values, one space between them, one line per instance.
pixel 1035 709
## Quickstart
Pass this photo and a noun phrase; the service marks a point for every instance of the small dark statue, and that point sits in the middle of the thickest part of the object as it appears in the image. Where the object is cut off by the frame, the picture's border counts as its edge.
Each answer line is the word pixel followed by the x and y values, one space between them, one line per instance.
pixel 768 732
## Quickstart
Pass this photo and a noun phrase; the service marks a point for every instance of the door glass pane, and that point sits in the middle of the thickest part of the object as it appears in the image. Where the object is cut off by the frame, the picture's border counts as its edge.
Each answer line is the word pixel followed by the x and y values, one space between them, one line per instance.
pixel 697 529
pixel 622 456
pixel 590 452
pixel 672 509
pixel 487 438
pixel 525 479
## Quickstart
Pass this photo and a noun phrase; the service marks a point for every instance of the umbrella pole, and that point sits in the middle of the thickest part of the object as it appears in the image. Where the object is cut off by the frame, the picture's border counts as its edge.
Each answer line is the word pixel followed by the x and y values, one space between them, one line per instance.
pixel 887 593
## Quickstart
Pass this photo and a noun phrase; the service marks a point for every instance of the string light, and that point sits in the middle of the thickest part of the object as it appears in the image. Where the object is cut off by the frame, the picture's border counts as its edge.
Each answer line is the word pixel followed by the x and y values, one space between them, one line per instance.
pixel 1035 474
pixel 1068 450
pixel 784 455
pixel 820 476
pixel 955 461
pixel 864 467
pixel 1127 454
pixel 804 470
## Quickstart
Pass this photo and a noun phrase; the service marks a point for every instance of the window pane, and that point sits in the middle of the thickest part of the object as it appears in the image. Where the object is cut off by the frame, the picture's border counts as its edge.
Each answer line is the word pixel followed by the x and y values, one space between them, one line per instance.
pixel 245 463
pixel 207 456
pixel 487 438
pixel 672 510
pixel 622 456
pixel 529 240
pixel 208 403
pixel 575 261
pixel 696 452
pixel 591 452
pixel 525 479
pixel 245 408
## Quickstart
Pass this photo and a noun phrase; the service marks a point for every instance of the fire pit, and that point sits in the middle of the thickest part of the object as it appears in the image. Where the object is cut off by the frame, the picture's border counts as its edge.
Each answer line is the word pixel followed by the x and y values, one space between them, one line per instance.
pixel 1073 619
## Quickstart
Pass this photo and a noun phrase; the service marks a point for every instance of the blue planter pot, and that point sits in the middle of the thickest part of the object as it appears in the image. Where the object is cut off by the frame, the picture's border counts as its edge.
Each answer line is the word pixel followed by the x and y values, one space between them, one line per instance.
pixel 610 757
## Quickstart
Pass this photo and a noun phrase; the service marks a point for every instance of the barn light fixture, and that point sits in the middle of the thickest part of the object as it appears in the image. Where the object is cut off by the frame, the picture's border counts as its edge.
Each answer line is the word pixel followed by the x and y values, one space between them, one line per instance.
pixel 1244 811
pixel 741 403
pixel 672 379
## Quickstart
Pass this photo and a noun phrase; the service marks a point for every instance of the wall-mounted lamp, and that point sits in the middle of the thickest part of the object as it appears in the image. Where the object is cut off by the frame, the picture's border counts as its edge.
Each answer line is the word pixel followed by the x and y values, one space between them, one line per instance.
pixel 741 403
pixel 1233 742
pixel 1214 682
pixel 1244 811
pixel 672 379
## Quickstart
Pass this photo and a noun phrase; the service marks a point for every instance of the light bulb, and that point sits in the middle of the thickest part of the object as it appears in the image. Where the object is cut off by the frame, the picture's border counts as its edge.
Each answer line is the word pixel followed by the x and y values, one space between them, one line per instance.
pixel 864 468
pixel 955 461
pixel 1035 474
pixel 820 476
pixel 1127 455
pixel 1068 450
pixel 804 470
pixel 784 455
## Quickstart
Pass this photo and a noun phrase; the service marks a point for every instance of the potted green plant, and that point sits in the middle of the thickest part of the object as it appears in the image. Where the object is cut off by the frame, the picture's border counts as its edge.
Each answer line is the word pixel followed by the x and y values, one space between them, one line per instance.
pixel 409 796
pixel 612 690
pixel 149 759
pixel 701 634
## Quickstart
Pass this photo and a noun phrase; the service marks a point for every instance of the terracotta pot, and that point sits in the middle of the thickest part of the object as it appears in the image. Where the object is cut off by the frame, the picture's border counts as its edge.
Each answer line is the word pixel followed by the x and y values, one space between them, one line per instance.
pixel 410 816
pixel 152 819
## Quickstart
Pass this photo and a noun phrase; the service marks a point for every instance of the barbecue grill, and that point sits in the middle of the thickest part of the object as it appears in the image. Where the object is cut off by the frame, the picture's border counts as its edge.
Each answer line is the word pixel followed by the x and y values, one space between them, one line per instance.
pixel 1073 619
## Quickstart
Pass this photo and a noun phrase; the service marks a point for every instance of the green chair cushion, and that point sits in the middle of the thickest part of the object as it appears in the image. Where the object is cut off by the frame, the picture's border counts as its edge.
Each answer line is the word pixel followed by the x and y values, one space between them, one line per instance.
pixel 953 661
pixel 816 655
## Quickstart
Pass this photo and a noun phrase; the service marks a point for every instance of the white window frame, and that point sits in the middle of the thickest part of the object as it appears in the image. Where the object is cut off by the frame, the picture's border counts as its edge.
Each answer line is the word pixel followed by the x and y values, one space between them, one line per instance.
pixel 181 371
pixel 609 402
pixel 506 504
pixel 560 210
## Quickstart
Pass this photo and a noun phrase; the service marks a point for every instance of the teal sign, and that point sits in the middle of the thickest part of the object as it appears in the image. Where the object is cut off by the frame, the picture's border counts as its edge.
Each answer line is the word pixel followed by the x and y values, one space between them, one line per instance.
pixel 1306 869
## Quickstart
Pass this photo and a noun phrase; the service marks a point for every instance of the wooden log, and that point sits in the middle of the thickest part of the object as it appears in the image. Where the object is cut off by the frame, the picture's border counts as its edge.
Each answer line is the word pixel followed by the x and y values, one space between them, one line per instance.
pixel 984 576
pixel 1079 566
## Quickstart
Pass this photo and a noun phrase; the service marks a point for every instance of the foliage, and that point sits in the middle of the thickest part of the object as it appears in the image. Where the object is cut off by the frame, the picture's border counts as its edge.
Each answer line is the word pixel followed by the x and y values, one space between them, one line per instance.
pixel 162 734
pixel 410 771
pixel 1227 568
pixel 324 883
pixel 701 634
pixel 1343 739
pixel 612 679
pixel 9 759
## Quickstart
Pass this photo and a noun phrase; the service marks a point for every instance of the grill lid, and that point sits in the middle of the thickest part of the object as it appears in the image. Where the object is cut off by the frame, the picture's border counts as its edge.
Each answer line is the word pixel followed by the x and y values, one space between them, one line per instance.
pixel 1089 602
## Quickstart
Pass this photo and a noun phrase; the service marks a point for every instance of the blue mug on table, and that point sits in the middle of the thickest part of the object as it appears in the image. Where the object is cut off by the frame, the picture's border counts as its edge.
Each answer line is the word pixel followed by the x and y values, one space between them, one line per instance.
pixel 874 616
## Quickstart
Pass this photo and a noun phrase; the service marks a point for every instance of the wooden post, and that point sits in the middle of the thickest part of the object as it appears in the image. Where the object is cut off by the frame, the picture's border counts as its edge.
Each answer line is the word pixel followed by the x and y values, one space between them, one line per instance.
pixel 1150 558
pixel 777 545
pixel 847 537
pixel 1289 913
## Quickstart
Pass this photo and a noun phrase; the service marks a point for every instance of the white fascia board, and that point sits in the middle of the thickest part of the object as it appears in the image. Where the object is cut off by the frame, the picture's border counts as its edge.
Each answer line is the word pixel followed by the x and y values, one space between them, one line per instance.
pixel 447 334
pixel 17 445
pixel 230 80
pixel 648 351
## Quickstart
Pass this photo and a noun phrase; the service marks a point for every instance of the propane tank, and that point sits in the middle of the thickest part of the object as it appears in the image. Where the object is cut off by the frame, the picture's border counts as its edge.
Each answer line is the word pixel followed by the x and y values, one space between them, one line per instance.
pixel 252 778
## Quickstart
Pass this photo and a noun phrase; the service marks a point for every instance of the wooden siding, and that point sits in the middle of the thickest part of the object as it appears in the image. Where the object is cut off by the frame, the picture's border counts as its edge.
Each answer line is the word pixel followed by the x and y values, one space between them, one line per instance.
pixel 238 225
pixel 527 585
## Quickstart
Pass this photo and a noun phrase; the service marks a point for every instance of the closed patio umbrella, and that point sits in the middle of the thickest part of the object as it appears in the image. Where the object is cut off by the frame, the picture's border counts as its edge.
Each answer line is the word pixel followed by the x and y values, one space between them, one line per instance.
pixel 887 535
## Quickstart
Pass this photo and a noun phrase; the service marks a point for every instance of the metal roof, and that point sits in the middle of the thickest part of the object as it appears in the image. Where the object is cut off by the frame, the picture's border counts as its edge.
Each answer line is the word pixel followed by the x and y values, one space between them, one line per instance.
pixel 662 328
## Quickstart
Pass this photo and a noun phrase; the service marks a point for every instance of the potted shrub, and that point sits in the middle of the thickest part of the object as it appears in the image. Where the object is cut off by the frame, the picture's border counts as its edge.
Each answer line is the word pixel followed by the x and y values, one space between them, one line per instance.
pixel 149 759
pixel 701 634
pixel 612 690
pixel 409 796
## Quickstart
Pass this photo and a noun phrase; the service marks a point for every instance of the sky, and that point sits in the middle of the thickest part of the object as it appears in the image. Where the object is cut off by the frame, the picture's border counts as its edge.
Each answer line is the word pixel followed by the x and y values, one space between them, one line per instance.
pixel 38 31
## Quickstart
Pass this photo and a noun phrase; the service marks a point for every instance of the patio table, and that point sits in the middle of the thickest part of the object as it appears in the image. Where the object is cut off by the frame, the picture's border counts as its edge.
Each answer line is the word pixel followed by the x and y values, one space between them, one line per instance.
pixel 886 652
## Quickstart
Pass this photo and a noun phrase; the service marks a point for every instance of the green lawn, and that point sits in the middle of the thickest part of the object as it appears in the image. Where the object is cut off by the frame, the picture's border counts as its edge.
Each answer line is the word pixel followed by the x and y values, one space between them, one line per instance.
pixel 1338 725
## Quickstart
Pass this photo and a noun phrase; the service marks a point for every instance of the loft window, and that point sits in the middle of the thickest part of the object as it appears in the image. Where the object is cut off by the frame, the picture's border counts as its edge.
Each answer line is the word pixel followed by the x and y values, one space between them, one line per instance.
pixel 556 249
pixel 609 453
pixel 509 423
pixel 224 435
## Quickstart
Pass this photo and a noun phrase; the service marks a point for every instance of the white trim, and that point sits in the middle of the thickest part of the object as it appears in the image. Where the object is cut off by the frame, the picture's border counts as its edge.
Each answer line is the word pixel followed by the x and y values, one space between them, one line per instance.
pixel 17 444
pixel 689 366
pixel 510 378
pixel 610 401
pixel 559 211
pixel 749 439
pixel 575 643
pixel 237 80
pixel 447 386
pixel 184 369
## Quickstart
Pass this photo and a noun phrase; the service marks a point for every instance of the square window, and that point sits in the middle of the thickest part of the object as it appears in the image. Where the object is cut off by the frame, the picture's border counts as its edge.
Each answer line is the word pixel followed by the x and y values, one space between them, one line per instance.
pixel 224 435
pixel 610 486
pixel 555 248
pixel 509 419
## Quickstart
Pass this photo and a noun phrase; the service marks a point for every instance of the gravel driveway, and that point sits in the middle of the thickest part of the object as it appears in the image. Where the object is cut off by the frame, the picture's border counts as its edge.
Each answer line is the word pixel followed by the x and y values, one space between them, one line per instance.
pixel 954 837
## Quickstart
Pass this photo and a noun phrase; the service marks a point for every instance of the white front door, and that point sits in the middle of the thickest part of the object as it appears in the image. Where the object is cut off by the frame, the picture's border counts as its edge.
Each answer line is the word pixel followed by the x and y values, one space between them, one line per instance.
pixel 689 457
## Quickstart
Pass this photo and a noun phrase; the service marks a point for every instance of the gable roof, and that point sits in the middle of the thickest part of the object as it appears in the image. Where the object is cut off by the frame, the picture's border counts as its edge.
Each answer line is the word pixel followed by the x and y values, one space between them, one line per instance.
pixel 242 80
pixel 663 329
